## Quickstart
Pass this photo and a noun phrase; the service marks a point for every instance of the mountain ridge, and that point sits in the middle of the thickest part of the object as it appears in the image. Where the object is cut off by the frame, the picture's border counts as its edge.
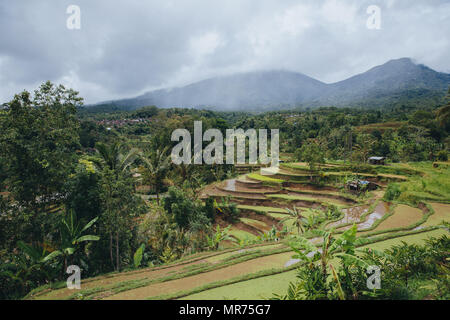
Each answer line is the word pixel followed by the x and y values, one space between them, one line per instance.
pixel 281 89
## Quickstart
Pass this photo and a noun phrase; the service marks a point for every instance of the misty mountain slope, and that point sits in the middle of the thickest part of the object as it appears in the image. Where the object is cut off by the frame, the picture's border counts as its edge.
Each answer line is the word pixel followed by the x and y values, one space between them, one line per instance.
pixel 243 90
pixel 393 77
pixel 265 90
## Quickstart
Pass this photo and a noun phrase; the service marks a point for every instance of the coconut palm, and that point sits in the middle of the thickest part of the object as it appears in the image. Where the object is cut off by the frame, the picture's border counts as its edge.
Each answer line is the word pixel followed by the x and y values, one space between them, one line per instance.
pixel 155 168
pixel 297 216
pixel 113 157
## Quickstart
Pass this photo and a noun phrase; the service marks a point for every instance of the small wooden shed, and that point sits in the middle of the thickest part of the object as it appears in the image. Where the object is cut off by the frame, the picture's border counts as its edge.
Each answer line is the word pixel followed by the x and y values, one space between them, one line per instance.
pixel 359 185
pixel 377 160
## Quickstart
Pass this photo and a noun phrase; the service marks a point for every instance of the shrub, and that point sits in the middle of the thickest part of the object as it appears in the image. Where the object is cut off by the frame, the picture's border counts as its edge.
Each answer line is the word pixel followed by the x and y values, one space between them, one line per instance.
pixel 392 192
pixel 442 155
pixel 210 210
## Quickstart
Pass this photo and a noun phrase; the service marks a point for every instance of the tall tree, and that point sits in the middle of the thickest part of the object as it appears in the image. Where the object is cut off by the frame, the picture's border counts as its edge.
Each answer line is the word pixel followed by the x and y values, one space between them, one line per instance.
pixel 297 217
pixel 115 157
pixel 156 165
pixel 38 140
pixel 120 205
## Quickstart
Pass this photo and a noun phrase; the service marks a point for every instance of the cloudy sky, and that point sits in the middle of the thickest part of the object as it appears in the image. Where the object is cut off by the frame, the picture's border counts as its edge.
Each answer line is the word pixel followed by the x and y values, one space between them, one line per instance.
pixel 125 48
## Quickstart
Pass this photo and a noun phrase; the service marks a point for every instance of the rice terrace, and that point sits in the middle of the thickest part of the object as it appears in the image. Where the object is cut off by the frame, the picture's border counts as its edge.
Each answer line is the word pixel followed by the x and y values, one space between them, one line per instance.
pixel 256 261
pixel 191 154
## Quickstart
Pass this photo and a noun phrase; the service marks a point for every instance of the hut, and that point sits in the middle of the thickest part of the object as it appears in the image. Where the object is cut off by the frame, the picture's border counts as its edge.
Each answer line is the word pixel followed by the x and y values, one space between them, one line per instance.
pixel 377 160
pixel 360 185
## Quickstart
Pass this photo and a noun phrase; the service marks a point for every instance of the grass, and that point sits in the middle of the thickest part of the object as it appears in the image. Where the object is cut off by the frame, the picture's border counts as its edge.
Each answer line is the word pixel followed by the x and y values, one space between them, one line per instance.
pixel 262 209
pixel 237 280
pixel 396 229
pixel 119 287
pixel 255 223
pixel 254 289
pixel 265 179
pixel 241 234
pixel 91 282
pixel 311 200
pixel 434 184
pixel 418 238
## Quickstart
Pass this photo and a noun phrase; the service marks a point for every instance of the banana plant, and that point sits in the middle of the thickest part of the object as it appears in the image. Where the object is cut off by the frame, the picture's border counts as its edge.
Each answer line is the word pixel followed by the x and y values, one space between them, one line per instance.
pixel 218 237
pixel 32 260
pixel 342 247
pixel 71 236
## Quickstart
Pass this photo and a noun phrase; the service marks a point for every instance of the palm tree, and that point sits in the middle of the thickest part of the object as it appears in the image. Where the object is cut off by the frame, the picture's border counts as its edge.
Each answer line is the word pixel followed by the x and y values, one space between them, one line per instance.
pixel 113 157
pixel 155 169
pixel 71 236
pixel 312 219
pixel 297 216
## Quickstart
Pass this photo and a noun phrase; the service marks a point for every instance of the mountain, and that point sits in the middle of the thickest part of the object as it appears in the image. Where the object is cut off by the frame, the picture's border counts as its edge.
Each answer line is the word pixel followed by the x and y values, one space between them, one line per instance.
pixel 392 78
pixel 268 90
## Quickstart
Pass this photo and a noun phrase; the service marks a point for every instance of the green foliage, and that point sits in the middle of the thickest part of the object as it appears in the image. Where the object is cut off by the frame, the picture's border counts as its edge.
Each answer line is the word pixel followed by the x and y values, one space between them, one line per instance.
pixel 184 209
pixel 311 152
pixel 442 155
pixel 218 236
pixel 168 255
pixel 38 139
pixel 403 268
pixel 137 258
pixel 72 235
pixel 227 210
pixel 156 165
pixel 392 192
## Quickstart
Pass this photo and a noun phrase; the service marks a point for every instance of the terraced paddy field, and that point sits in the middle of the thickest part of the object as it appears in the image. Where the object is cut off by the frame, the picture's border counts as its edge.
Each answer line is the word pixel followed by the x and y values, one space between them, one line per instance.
pixel 165 288
pixel 254 269
pixel 255 289
pixel 402 216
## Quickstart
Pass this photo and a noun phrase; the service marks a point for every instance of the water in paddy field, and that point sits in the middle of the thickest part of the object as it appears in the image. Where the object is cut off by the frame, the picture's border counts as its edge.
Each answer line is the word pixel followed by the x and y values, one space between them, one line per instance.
pixel 377 214
pixel 230 185
pixel 352 214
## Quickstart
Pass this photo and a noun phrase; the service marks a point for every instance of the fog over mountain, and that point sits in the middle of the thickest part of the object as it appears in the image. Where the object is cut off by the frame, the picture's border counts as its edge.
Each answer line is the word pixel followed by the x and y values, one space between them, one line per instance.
pixel 277 89
pixel 127 48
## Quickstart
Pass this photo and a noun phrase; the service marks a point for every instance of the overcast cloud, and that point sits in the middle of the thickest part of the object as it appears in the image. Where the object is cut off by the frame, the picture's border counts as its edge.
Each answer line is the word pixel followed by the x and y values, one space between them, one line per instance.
pixel 125 48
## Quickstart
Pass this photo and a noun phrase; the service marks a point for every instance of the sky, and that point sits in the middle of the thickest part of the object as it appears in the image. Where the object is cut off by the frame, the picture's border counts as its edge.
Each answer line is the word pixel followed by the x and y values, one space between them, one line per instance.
pixel 125 48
